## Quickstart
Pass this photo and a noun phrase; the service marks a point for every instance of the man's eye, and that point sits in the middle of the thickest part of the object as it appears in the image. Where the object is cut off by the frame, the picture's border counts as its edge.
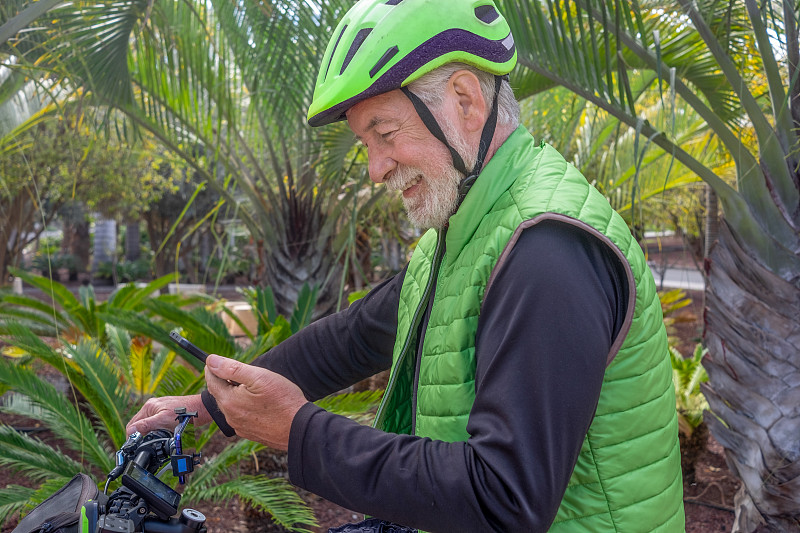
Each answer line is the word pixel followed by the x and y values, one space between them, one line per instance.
pixel 388 135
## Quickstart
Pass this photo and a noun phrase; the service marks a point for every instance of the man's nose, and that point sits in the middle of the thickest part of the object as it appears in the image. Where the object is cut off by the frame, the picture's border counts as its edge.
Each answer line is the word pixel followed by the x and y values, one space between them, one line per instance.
pixel 380 165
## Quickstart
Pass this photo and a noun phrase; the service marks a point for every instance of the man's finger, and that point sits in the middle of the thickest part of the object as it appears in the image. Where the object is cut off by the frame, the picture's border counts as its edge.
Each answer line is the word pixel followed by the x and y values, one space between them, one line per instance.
pixel 213 381
pixel 137 423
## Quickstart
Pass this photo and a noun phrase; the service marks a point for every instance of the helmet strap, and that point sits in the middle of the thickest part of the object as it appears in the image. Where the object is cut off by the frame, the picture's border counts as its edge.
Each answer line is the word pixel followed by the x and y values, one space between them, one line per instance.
pixel 483 148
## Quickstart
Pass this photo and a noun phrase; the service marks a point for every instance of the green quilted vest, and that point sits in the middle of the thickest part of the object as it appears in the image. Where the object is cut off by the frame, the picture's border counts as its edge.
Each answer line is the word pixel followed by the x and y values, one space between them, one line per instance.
pixel 628 475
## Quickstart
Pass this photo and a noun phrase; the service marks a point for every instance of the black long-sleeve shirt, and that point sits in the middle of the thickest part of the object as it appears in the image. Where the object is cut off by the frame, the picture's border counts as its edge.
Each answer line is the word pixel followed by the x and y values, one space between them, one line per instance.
pixel 546 327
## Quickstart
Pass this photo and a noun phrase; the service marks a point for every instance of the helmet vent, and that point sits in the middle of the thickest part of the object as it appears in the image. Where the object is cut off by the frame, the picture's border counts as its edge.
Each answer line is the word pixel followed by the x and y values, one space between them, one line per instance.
pixel 487 14
pixel 357 42
pixel 387 56
pixel 335 46
pixel 393 2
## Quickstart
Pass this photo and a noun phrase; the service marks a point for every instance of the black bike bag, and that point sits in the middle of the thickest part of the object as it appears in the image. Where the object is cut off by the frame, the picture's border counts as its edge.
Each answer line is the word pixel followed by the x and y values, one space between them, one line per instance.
pixel 60 512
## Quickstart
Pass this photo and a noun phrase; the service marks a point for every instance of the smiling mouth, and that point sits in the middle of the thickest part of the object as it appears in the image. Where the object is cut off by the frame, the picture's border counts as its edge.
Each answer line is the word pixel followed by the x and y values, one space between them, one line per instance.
pixel 411 183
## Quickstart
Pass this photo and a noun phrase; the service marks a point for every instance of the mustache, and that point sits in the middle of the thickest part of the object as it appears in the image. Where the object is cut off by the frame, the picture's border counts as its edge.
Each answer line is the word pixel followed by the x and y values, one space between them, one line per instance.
pixel 403 176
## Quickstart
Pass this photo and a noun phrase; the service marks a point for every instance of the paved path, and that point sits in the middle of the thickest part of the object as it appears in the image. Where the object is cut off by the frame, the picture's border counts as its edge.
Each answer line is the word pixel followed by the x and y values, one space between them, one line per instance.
pixel 673 278
pixel 689 279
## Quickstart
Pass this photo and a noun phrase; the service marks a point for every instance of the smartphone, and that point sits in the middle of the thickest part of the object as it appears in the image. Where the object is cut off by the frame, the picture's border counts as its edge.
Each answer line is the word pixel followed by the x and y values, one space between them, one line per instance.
pixel 188 346
pixel 184 343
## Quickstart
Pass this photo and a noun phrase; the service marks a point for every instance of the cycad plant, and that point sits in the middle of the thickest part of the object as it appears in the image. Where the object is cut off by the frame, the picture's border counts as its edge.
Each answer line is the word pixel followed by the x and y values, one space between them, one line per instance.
pixel 90 419
pixel 110 374
pixel 687 376
pixel 62 314
pixel 735 64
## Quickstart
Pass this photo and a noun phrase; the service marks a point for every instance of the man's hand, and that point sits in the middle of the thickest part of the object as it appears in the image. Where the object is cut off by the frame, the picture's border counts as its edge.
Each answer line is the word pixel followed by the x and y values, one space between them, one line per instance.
pixel 261 408
pixel 159 413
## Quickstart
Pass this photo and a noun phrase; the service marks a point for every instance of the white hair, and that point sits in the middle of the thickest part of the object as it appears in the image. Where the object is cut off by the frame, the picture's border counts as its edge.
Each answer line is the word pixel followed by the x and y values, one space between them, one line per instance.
pixel 429 90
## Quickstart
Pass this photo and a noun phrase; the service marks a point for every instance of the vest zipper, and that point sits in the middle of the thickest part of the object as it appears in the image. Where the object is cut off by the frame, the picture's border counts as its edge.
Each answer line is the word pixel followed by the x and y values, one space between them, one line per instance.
pixel 416 322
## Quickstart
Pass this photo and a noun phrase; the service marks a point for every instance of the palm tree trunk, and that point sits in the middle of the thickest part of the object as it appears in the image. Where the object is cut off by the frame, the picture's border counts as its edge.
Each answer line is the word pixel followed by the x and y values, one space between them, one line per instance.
pixel 711 220
pixel 76 242
pixel 753 338
pixel 132 238
pixel 287 272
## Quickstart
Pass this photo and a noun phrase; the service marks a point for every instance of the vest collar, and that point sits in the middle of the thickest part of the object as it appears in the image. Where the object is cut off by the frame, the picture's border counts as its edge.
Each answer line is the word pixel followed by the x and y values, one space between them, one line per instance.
pixel 505 166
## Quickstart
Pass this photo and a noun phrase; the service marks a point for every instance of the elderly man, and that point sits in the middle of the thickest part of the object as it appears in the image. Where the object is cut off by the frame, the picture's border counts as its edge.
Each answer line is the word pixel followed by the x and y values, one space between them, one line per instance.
pixel 530 387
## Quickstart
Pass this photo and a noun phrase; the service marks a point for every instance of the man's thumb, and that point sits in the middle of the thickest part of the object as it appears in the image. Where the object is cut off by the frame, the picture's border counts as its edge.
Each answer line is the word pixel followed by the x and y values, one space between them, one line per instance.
pixel 226 368
pixel 214 362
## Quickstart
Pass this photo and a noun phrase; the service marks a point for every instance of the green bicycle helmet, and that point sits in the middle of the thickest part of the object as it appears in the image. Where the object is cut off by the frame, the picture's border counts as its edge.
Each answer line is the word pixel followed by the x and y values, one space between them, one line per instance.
pixel 382 45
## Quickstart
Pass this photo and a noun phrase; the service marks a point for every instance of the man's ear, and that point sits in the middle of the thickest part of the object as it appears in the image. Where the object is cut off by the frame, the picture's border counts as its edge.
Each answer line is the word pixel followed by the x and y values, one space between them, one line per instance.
pixel 470 106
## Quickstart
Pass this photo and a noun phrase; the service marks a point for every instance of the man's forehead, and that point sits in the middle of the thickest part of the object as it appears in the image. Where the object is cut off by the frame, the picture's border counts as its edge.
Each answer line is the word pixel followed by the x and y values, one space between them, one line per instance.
pixel 371 112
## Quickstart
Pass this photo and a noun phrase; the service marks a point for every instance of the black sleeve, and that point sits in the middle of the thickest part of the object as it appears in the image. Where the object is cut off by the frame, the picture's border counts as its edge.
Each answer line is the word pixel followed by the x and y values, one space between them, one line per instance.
pixel 545 330
pixel 336 351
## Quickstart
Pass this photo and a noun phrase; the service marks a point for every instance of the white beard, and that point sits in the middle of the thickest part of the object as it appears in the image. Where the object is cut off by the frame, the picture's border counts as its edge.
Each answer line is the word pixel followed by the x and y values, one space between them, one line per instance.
pixel 435 203
pixel 437 200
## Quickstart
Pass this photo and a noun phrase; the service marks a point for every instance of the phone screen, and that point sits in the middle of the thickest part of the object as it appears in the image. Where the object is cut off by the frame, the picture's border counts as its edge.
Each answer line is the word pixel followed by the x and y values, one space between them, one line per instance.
pixel 155 492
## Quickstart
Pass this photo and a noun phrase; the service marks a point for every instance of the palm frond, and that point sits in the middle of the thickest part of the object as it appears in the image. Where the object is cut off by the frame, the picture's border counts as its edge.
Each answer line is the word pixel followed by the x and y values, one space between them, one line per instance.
pixel 141 351
pixel 104 390
pixel 273 496
pixel 28 341
pixel 138 323
pixel 47 404
pixel 160 365
pixel 33 312
pixel 119 344
pixel 12 26
pixel 13 499
pixel 33 458
pixel 61 297
pixel 207 476
pixel 758 186
pixel 214 336
pixel 206 435
pixel 355 405
pixel 132 296
pixel 259 346
pixel 97 36
pixel 585 58
pixel 180 381
pixel 306 300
